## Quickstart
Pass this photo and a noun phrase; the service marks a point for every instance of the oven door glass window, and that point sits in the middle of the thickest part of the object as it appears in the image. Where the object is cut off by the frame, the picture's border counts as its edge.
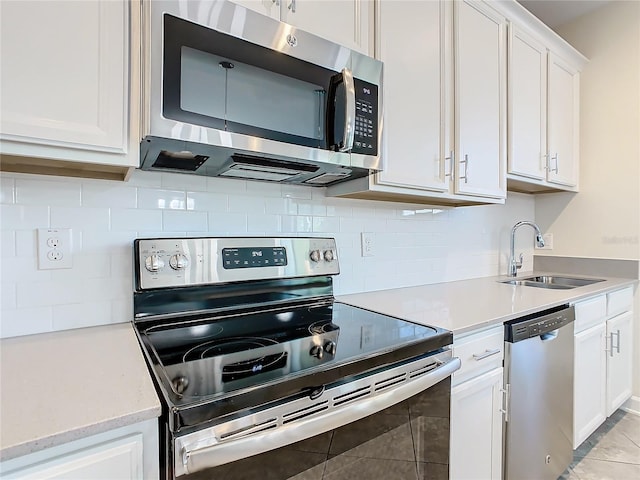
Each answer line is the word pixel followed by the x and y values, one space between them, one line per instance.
pixel 409 440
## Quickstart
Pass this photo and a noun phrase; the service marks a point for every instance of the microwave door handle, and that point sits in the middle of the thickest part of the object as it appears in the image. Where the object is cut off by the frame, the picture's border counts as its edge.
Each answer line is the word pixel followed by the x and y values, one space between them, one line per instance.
pixel 349 111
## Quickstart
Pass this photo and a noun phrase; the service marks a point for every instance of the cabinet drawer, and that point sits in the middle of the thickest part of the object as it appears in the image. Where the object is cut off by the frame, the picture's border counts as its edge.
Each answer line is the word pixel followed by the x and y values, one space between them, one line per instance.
pixel 590 312
pixel 478 353
pixel 619 301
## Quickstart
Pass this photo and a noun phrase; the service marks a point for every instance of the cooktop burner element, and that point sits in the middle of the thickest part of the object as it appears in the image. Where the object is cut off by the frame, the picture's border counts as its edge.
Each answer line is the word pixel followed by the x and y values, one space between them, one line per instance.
pixel 214 348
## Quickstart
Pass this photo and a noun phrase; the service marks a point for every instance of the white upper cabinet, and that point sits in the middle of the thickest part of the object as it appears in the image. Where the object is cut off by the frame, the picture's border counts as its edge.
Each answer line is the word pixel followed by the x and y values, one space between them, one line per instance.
pixel 527 106
pixel 543 116
pixel 65 85
pixel 347 22
pixel 436 55
pixel 411 47
pixel 480 99
pixel 564 98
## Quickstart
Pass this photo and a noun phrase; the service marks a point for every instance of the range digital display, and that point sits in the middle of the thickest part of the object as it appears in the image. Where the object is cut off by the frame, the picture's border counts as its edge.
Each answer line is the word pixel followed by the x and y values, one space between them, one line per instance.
pixel 251 257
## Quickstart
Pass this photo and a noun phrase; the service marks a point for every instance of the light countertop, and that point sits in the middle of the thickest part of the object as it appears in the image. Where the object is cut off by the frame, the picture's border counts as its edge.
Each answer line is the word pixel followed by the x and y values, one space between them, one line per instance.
pixel 471 305
pixel 62 386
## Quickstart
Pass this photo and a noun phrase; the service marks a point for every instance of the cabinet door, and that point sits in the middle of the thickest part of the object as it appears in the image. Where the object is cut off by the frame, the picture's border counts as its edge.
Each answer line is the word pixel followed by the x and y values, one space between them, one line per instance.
pixel 563 122
pixel 346 22
pixel 65 82
pixel 410 42
pixel 619 360
pixel 480 99
pixel 270 8
pixel 590 369
pixel 476 428
pixel 527 106
pixel 119 459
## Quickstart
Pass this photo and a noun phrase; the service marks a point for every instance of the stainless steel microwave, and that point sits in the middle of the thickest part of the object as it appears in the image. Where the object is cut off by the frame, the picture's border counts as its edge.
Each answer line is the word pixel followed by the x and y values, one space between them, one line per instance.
pixel 230 92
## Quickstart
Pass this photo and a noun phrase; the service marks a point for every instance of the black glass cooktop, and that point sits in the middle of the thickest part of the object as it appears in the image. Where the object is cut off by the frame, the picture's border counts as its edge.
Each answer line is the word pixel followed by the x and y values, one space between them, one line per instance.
pixel 287 349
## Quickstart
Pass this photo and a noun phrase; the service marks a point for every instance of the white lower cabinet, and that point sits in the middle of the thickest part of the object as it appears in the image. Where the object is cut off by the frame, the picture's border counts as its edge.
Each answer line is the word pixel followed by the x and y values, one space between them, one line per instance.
pixel 121 459
pixel 476 407
pixel 590 376
pixel 476 428
pixel 125 453
pixel 603 360
pixel 619 360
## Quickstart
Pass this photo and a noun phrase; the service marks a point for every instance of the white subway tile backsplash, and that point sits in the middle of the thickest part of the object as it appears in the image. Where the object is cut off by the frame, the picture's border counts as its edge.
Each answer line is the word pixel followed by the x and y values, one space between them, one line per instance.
pixel 414 245
pixel 227 223
pixel 8 296
pixel 179 181
pixel 43 294
pixel 162 199
pixel 7 243
pixel 108 195
pixel 26 243
pixel 40 192
pixel 80 218
pixel 264 224
pixel 21 217
pixel 175 221
pixel 326 224
pixel 7 192
pixel 207 201
pixel 246 204
pixel 25 321
pixel 80 315
pixel 135 219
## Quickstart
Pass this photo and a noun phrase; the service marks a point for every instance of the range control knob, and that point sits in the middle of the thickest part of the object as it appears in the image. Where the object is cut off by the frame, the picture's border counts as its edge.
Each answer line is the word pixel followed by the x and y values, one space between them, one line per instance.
pixel 316 351
pixel 154 263
pixel 315 256
pixel 328 255
pixel 330 347
pixel 178 261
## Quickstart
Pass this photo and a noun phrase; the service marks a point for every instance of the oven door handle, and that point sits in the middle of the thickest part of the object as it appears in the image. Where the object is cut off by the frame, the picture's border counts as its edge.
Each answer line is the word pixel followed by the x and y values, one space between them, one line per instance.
pixel 193 456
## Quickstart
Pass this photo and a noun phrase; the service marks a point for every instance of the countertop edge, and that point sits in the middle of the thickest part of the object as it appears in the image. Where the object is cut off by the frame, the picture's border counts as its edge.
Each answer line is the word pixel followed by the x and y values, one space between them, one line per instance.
pixel 78 433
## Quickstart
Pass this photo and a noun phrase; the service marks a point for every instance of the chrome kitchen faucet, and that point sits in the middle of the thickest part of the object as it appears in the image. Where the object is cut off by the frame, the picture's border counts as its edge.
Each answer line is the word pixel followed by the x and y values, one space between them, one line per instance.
pixel 514 264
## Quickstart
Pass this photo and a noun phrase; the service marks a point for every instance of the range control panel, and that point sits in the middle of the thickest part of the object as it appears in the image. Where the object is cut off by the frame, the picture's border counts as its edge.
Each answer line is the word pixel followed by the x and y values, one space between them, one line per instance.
pixel 179 262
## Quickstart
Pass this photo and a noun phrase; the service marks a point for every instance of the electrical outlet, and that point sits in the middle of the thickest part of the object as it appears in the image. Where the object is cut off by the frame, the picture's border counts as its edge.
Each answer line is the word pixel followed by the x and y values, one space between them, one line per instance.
pixel 54 248
pixel 368 244
pixel 548 242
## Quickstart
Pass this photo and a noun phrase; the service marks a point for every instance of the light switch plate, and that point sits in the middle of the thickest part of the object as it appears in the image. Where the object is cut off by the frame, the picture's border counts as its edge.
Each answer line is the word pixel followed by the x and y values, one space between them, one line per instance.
pixel 54 248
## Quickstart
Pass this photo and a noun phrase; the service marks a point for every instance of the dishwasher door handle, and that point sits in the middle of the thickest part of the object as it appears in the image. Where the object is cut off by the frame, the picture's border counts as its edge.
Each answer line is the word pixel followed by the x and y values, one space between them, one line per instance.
pixel 549 336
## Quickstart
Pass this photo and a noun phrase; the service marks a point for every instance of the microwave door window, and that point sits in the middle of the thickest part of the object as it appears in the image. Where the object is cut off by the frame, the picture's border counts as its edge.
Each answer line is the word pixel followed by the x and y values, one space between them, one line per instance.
pixel 247 99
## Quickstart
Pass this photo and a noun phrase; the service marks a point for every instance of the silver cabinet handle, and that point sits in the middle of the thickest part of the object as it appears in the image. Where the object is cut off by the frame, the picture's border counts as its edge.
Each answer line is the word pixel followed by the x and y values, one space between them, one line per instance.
pixel 547 166
pixel 349 111
pixel 452 159
pixel 554 158
pixel 466 169
pixel 485 354
pixel 292 6
pixel 615 347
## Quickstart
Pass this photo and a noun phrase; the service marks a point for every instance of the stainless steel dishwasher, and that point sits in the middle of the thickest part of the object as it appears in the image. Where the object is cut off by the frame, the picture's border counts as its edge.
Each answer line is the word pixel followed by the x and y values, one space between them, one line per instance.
pixel 539 389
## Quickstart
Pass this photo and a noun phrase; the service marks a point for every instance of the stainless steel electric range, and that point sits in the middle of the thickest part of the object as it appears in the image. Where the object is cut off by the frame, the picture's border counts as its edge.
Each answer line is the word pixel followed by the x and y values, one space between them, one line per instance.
pixel 263 373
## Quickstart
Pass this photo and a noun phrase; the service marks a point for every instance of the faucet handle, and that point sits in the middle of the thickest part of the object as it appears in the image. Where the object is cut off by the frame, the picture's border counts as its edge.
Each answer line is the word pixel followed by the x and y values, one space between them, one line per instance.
pixel 519 262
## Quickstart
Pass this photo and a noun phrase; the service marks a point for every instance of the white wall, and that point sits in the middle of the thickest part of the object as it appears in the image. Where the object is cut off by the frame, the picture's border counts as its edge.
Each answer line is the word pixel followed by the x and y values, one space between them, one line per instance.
pixel 603 220
pixel 413 245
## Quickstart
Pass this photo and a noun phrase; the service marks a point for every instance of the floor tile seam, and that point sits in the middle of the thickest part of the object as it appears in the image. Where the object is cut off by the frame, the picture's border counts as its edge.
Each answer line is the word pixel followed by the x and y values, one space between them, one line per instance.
pixel 631 439
pixel 610 461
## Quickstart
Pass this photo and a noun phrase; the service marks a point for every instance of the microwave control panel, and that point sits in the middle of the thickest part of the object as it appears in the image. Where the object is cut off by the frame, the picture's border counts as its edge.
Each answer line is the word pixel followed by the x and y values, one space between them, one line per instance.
pixel 365 140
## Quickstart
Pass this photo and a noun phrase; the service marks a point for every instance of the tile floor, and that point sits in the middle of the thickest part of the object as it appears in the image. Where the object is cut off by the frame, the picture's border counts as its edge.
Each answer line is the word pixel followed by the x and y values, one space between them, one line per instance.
pixel 611 452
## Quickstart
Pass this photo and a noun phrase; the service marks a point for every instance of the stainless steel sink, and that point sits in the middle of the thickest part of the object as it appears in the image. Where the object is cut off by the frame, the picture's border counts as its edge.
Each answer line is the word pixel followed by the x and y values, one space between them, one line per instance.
pixel 553 282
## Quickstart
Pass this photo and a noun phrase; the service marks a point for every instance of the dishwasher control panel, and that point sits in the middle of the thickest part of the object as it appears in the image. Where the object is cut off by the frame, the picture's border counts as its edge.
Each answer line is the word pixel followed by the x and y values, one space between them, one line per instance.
pixel 538 323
